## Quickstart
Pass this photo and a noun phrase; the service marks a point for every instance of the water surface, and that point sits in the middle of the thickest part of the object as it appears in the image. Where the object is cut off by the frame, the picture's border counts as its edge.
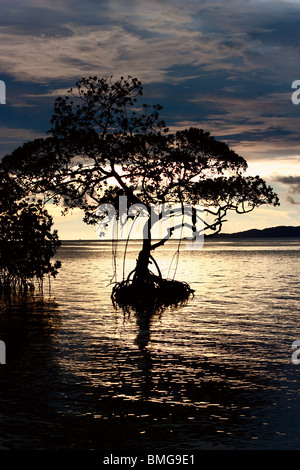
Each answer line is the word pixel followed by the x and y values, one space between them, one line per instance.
pixel 215 373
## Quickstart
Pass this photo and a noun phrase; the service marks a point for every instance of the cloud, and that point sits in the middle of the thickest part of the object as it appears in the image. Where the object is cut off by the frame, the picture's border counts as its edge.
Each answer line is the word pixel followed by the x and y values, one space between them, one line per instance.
pixel 67 40
pixel 13 137
pixel 223 66
pixel 88 51
pixel 42 41
pixel 249 122
pixel 293 182
pixel 293 187
pixel 291 200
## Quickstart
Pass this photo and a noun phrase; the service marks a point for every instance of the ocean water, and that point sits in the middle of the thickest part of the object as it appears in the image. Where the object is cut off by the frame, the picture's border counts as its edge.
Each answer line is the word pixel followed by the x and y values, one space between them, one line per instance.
pixel 216 373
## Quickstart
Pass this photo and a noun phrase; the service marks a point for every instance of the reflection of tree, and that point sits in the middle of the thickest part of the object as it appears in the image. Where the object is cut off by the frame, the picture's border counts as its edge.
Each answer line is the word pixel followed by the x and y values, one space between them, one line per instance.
pixel 144 320
pixel 143 323
pixel 29 382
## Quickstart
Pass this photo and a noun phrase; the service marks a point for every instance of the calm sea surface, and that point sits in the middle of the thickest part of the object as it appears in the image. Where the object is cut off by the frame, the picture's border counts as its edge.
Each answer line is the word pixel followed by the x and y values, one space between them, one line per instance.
pixel 213 374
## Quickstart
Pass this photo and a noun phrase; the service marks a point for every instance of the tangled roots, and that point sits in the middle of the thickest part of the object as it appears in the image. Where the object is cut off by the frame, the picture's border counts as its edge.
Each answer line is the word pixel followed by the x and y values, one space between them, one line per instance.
pixel 152 292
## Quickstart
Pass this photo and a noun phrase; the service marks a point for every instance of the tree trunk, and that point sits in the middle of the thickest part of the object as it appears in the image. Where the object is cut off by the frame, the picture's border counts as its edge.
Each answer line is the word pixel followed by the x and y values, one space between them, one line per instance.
pixel 145 291
pixel 142 273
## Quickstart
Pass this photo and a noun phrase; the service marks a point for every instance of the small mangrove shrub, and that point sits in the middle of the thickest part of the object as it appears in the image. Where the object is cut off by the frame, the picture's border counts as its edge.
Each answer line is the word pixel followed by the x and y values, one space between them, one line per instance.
pixel 27 246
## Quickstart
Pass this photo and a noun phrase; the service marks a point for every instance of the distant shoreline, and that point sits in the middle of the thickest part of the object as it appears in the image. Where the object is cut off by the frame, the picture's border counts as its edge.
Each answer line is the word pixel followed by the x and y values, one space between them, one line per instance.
pixel 281 231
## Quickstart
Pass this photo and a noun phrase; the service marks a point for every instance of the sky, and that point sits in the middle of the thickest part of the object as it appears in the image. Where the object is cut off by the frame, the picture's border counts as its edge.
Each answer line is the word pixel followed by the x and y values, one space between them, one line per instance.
pixel 226 67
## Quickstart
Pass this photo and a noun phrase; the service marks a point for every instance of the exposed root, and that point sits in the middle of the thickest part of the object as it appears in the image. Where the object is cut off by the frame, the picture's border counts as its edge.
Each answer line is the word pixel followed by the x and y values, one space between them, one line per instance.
pixel 150 293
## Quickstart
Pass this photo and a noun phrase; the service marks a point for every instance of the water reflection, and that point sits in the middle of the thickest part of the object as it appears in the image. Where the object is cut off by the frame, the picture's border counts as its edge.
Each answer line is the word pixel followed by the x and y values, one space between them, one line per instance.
pixel 27 326
pixel 214 373
pixel 25 320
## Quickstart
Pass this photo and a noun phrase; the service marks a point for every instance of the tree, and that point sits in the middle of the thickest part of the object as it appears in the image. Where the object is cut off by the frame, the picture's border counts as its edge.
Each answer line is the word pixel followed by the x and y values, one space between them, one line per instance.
pixel 103 145
pixel 26 241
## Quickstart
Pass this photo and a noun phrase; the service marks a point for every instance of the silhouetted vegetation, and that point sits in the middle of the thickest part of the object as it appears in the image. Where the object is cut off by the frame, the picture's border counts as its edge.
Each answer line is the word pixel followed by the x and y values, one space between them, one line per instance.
pixel 104 144
pixel 281 231
pixel 27 244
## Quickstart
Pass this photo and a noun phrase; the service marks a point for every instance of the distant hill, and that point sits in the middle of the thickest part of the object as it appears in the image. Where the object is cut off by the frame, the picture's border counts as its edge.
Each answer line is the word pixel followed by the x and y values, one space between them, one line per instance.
pixel 272 232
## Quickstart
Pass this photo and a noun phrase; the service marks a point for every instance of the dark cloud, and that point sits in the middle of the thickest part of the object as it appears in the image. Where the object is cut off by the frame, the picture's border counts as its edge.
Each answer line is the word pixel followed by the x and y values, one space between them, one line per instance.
pixel 291 180
pixel 293 183
pixel 34 21
pixel 227 66
pixel 293 187
pixel 291 200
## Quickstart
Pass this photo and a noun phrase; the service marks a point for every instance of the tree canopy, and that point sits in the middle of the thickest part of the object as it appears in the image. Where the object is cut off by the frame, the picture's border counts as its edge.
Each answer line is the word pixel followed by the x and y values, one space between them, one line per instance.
pixel 103 144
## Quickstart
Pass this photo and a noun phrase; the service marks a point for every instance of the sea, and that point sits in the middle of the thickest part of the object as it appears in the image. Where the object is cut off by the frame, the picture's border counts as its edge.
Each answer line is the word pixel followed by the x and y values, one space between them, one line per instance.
pixel 220 372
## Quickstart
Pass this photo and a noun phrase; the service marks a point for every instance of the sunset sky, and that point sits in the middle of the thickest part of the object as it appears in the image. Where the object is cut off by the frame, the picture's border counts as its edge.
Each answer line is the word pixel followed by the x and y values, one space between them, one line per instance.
pixel 226 67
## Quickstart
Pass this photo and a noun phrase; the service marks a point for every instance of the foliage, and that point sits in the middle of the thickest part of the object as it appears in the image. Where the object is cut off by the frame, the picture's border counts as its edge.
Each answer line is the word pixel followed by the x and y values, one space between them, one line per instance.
pixel 103 143
pixel 26 241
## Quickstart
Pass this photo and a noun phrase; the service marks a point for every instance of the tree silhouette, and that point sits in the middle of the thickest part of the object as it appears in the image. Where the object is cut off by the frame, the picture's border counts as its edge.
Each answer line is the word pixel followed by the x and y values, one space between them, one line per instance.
pixel 103 144
pixel 26 241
